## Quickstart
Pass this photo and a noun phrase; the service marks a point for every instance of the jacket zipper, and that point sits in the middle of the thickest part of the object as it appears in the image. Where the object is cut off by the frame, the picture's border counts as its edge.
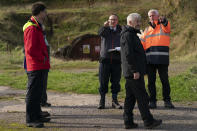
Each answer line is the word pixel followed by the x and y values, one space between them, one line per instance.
pixel 112 48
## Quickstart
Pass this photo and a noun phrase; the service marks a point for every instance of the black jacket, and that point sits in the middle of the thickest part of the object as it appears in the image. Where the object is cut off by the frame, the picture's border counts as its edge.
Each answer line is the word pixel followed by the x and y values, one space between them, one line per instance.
pixel 109 40
pixel 132 53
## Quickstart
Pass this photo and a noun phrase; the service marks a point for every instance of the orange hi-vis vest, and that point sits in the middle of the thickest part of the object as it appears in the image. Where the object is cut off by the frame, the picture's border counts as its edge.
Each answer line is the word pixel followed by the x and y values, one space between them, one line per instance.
pixel 156 43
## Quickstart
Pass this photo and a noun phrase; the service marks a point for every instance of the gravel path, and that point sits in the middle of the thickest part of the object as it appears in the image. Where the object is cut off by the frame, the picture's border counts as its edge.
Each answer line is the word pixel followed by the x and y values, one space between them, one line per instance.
pixel 78 112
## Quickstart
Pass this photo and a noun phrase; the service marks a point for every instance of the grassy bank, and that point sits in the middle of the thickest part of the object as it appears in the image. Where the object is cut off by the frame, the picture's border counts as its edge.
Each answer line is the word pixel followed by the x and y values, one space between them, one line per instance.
pixel 82 77
pixel 72 18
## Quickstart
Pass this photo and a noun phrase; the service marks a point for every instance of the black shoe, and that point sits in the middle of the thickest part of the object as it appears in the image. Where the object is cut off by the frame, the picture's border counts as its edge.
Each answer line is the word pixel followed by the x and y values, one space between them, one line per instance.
pixel 153 124
pixel 43 119
pixel 101 107
pixel 35 124
pixel 45 104
pixel 152 105
pixel 116 105
pixel 131 126
pixel 102 103
pixel 168 104
pixel 44 114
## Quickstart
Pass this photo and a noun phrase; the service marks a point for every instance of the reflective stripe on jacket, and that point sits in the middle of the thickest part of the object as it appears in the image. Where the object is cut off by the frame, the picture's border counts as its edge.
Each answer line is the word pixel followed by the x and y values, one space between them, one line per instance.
pixel 156 43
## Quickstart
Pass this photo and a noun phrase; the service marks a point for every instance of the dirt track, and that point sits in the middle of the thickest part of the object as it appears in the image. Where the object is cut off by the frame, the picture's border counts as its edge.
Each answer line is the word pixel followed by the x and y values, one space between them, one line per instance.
pixel 78 112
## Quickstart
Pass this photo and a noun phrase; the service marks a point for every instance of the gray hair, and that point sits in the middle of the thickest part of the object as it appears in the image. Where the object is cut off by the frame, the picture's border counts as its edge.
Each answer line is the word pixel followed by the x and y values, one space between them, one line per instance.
pixel 132 17
pixel 153 10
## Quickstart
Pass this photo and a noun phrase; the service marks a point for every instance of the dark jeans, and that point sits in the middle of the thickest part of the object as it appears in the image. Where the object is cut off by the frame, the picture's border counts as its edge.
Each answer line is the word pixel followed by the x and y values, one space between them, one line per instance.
pixel 163 74
pixel 135 90
pixel 34 93
pixel 44 93
pixel 110 72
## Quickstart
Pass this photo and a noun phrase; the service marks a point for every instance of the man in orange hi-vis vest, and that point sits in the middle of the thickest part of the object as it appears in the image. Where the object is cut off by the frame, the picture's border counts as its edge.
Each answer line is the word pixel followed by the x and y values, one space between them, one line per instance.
pixel 156 41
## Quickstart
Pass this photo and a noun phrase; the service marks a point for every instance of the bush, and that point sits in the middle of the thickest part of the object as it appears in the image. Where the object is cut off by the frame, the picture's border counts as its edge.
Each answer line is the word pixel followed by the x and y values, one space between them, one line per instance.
pixel 193 70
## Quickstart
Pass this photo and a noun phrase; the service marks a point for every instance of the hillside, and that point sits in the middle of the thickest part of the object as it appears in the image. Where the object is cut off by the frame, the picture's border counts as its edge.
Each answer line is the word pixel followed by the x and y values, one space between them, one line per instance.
pixel 72 18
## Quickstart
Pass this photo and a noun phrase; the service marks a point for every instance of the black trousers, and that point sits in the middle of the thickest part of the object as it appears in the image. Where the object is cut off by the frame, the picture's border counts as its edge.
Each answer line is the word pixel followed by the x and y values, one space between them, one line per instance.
pixel 135 90
pixel 110 72
pixel 34 93
pixel 44 93
pixel 163 74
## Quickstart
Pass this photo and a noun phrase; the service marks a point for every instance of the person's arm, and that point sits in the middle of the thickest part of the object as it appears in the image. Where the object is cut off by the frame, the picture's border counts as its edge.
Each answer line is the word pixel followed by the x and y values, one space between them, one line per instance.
pixel 163 21
pixel 129 52
pixel 32 46
pixel 165 24
pixel 143 38
pixel 104 31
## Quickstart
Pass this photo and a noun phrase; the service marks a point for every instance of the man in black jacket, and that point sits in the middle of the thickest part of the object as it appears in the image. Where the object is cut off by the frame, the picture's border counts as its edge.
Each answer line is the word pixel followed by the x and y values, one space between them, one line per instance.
pixel 133 64
pixel 110 63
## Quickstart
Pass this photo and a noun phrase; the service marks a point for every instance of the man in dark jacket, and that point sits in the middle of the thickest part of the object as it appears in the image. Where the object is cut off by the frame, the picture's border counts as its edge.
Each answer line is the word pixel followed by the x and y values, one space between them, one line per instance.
pixel 133 64
pixel 37 63
pixel 110 63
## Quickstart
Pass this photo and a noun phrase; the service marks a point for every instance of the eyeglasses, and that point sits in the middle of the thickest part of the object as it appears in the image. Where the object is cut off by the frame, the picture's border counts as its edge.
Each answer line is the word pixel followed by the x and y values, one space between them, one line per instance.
pixel 113 19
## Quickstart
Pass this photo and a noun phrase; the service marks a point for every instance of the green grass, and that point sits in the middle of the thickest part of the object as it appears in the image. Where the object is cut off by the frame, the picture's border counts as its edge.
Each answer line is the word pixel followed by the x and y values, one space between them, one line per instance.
pixel 82 77
pixel 183 87
pixel 86 82
pixel 7 126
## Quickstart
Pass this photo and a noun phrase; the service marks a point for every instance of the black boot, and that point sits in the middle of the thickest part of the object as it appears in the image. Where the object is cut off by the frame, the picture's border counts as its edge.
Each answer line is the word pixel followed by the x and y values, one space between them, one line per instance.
pixel 35 124
pixel 44 114
pixel 152 105
pixel 115 103
pixel 131 126
pixel 102 102
pixel 168 104
pixel 153 124
pixel 128 122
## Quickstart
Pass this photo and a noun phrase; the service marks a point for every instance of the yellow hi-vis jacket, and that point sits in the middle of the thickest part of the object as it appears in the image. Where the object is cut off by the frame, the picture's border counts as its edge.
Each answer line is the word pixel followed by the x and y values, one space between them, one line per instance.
pixel 156 43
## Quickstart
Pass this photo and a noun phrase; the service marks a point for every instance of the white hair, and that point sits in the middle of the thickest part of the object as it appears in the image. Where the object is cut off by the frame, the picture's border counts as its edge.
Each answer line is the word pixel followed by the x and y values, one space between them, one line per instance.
pixel 132 17
pixel 153 10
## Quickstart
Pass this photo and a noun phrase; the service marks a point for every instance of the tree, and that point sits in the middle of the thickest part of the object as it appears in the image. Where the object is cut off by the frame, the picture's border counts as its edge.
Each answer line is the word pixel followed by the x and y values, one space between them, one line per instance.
pixel 91 3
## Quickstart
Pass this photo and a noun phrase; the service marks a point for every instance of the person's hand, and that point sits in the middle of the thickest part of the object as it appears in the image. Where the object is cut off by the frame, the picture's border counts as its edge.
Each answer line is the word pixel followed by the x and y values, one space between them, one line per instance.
pixel 136 75
pixel 161 19
pixel 140 34
pixel 106 23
